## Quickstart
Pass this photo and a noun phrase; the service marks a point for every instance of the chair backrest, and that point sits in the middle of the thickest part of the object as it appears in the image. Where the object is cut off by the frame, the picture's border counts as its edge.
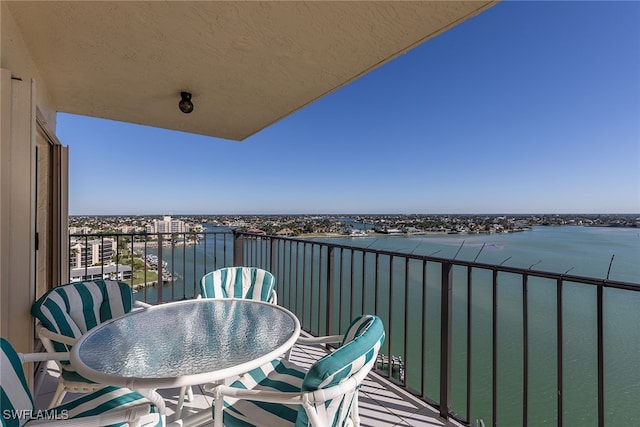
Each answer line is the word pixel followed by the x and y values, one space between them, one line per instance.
pixel 354 358
pixel 75 308
pixel 15 395
pixel 239 282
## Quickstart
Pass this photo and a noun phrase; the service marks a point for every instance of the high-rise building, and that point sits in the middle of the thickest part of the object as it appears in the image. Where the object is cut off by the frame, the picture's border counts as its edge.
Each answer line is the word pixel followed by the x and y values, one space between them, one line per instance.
pixel 91 252
pixel 167 225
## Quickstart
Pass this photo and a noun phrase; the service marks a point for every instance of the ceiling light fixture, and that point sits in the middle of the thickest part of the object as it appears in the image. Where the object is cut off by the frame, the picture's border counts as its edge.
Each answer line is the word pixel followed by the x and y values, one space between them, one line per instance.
pixel 185 104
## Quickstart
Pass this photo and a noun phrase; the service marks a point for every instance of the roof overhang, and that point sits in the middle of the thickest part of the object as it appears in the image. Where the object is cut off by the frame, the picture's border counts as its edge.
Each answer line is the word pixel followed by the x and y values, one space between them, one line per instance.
pixel 247 64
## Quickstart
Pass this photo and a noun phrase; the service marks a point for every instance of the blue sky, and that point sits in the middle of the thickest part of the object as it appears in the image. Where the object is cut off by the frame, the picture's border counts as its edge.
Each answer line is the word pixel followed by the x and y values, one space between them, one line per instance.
pixel 530 107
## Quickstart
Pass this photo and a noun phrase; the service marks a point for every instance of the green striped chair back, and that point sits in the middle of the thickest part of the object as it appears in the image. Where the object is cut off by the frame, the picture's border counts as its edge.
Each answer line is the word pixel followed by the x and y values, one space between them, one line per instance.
pixel 325 378
pixel 17 406
pixel 358 351
pixel 239 282
pixel 75 308
pixel 15 395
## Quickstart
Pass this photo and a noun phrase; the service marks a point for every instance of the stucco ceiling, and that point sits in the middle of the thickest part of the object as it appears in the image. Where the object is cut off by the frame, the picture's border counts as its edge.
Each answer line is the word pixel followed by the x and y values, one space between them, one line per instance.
pixel 248 64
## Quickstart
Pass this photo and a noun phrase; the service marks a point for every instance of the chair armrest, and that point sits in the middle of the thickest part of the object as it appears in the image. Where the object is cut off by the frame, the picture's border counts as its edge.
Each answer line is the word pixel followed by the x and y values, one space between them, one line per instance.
pixel 130 415
pixel 42 357
pixel 320 340
pixel 290 398
pixel 260 395
pixel 141 304
pixel 53 336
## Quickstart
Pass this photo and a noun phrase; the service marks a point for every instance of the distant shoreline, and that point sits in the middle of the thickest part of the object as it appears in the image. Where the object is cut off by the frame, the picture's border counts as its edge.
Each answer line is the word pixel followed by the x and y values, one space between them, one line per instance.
pixel 421 233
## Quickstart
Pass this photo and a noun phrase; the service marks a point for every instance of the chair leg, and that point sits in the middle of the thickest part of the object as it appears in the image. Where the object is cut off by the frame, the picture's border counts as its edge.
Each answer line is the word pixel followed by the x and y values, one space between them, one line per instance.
pixel 183 391
pixel 190 394
pixel 217 410
pixel 287 355
pixel 58 395
pixel 355 415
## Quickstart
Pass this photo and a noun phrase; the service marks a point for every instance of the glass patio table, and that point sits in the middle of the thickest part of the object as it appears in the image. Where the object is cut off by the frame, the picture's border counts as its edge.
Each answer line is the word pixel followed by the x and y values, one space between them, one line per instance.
pixel 184 343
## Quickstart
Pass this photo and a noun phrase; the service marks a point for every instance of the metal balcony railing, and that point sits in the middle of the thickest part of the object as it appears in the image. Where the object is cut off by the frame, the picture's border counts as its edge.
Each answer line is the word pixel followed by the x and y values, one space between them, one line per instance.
pixel 485 344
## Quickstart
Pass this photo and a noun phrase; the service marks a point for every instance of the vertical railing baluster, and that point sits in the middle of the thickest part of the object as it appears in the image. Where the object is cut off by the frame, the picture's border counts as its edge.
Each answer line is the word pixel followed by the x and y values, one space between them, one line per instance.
pixel 204 247
pixel 525 350
pixel 559 348
pixel 390 311
pixel 184 269
pixel 86 255
pixel 352 284
pixel 195 255
pixel 272 256
pixel 281 270
pixel 330 288
pixel 340 275
pixel 377 285
pixel 494 350
pixel 238 248
pixel 405 350
pixel 304 283
pixel 311 298
pixel 600 332
pixel 364 275
pixel 225 255
pixel 159 284
pixel 101 255
pixel 446 304
pixel 290 283
pixel 132 264
pixel 320 269
pixel 296 283
pixel 224 249
pixel 469 342
pixel 70 257
pixel 423 330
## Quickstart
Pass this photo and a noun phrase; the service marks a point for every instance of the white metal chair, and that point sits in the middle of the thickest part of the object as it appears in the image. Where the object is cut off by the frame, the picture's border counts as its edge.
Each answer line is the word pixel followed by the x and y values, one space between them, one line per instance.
pixel 282 393
pixel 233 282
pixel 112 406
pixel 68 311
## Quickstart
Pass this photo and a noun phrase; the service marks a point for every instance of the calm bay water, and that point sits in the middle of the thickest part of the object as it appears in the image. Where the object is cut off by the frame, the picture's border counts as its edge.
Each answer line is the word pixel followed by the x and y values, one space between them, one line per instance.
pixel 584 251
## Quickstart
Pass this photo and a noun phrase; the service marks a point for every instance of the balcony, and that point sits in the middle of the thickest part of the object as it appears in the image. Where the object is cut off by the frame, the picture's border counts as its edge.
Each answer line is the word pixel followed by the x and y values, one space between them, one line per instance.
pixel 468 342
pixel 381 403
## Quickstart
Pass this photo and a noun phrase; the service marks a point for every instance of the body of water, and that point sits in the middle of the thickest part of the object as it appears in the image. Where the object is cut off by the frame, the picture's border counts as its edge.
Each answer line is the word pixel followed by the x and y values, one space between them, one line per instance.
pixel 582 251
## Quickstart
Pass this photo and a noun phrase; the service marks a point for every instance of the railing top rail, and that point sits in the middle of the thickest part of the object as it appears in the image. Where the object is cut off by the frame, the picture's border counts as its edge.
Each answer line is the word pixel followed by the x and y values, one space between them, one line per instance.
pixel 493 267
pixel 142 233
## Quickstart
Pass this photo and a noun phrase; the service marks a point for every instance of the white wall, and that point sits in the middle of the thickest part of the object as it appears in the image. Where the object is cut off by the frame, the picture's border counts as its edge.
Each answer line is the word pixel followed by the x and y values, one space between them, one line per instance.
pixel 21 91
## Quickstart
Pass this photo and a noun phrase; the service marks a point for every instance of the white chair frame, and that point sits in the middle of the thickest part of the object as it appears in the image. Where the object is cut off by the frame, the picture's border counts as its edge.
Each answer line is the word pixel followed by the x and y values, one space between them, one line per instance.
pixel 312 401
pixel 134 417
pixel 66 386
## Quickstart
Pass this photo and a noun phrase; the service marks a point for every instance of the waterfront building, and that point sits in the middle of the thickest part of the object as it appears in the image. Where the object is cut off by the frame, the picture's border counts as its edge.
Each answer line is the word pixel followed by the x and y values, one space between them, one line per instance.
pixel 167 225
pixel 107 272
pixel 92 252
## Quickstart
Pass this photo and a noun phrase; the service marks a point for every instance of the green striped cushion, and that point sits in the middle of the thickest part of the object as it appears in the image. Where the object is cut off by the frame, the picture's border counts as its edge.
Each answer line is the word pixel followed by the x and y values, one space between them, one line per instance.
pixel 238 282
pixel 14 394
pixel 75 308
pixel 16 397
pixel 357 327
pixel 279 375
pixel 366 336
pixel 104 400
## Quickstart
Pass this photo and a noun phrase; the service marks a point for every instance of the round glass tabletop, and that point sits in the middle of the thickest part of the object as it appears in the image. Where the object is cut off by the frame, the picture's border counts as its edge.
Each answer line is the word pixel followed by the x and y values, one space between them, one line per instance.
pixel 186 342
